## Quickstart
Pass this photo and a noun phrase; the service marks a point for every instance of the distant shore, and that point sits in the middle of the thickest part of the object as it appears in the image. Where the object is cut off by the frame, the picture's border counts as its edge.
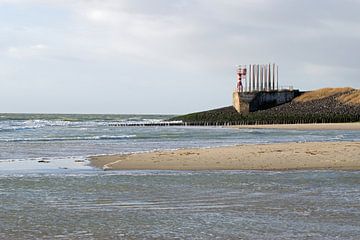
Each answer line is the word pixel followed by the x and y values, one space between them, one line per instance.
pixel 318 126
pixel 282 156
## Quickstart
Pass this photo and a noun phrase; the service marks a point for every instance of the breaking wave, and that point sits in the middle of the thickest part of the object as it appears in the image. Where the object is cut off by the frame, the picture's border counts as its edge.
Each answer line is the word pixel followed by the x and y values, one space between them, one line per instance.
pixel 77 138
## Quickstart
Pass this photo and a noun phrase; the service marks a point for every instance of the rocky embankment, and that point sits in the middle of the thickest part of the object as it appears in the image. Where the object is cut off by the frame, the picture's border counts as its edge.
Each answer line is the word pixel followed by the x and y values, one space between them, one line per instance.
pixel 331 105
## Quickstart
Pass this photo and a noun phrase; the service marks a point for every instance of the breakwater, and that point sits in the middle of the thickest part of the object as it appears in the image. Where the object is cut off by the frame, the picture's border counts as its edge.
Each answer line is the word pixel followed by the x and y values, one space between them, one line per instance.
pixel 328 109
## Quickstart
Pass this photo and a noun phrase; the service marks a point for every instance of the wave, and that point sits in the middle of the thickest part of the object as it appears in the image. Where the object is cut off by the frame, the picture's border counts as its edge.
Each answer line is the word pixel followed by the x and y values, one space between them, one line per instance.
pixel 76 138
pixel 19 125
pixel 9 126
pixel 81 117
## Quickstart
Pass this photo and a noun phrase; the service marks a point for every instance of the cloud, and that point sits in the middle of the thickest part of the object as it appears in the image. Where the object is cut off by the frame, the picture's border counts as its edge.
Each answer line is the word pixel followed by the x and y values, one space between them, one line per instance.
pixel 28 51
pixel 187 46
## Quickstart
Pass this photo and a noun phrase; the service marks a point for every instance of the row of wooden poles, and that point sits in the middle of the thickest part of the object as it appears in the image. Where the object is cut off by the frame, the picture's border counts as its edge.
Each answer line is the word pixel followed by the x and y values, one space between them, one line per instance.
pixel 262 77
pixel 269 122
pixel 282 120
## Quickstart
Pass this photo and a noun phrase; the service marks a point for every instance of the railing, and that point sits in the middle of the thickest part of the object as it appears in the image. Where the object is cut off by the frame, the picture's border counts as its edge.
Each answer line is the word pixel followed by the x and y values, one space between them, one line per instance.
pixel 286 88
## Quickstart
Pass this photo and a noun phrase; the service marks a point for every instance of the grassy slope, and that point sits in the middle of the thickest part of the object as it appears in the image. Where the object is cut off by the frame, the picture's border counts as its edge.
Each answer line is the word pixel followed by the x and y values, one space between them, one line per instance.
pixel 323 105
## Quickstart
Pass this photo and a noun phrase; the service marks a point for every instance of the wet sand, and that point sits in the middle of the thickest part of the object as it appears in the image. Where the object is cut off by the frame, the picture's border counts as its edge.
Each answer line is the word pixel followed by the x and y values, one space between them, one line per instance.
pixel 319 126
pixel 282 156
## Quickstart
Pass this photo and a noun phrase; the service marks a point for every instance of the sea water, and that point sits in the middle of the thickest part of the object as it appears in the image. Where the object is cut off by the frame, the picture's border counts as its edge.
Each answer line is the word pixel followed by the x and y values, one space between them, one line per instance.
pixel 48 190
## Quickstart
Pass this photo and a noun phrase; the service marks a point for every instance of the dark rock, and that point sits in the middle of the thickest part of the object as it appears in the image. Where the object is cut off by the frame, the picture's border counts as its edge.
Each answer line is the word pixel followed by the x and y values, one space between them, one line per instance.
pixel 43 161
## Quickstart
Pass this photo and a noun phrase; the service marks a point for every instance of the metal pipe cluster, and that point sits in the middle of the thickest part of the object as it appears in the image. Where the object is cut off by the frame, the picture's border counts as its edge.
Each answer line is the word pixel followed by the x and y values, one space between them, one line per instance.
pixel 262 77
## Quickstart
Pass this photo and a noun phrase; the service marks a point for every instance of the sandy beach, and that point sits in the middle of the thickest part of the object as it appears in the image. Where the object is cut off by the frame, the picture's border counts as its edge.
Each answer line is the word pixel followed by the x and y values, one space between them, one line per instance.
pixel 282 156
pixel 320 126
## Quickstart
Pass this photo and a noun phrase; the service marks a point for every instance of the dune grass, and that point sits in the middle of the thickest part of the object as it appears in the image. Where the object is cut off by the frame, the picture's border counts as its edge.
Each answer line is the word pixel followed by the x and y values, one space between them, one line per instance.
pixel 352 98
pixel 321 94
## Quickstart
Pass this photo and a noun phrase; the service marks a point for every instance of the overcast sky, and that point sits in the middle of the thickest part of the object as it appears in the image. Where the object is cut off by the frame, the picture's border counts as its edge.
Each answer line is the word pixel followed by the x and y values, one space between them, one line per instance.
pixel 167 56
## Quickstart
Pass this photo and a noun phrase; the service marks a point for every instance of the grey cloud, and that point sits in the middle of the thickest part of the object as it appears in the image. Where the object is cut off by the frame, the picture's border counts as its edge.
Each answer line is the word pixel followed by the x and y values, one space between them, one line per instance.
pixel 158 49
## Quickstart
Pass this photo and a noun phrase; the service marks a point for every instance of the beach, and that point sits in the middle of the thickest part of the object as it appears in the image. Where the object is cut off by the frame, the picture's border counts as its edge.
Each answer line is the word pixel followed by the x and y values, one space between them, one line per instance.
pixel 278 156
pixel 319 126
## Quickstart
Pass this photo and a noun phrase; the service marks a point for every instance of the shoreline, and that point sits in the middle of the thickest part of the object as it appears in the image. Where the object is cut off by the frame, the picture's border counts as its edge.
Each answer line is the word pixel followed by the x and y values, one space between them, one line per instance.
pixel 305 126
pixel 277 156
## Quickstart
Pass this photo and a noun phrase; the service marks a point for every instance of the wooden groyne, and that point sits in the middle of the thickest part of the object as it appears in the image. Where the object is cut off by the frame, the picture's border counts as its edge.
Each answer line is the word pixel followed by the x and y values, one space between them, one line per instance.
pixel 147 124
pixel 251 121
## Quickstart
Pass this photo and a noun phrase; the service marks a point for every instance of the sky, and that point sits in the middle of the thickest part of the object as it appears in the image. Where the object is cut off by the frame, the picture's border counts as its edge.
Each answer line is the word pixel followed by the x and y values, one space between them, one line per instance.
pixel 168 57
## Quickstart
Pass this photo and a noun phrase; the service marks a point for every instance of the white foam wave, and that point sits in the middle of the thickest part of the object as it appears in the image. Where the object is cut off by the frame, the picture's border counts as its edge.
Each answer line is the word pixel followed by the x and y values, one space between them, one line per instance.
pixel 76 138
pixel 7 126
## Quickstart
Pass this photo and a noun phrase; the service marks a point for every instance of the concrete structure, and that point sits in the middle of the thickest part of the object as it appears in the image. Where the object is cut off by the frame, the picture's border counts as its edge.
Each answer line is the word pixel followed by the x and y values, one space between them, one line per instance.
pixel 254 101
pixel 262 90
pixel 240 104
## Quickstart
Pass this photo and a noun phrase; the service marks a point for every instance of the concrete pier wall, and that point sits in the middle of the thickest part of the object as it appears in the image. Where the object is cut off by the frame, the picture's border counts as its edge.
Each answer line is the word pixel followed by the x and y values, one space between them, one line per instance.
pixel 246 102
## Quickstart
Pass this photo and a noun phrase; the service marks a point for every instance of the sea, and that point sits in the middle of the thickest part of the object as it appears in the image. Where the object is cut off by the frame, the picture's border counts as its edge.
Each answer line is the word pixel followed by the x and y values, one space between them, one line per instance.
pixel 48 190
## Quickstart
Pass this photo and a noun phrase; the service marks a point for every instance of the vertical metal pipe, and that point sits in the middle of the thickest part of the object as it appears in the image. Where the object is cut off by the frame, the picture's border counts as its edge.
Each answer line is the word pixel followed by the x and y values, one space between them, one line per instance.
pixel 263 80
pixel 254 81
pixel 257 78
pixel 252 77
pixel 245 79
pixel 273 77
pixel 264 66
pixel 270 74
pixel 255 72
pixel 248 89
pixel 269 80
pixel 269 77
pixel 265 77
pixel 277 76
pixel 261 77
